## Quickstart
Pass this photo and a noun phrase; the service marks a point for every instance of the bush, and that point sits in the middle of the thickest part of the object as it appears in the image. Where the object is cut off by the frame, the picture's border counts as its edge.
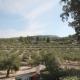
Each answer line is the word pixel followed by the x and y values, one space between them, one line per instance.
pixel 71 78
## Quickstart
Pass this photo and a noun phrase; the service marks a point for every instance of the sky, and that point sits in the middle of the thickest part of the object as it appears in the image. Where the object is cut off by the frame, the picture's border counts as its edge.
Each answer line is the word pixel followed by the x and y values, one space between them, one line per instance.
pixel 32 17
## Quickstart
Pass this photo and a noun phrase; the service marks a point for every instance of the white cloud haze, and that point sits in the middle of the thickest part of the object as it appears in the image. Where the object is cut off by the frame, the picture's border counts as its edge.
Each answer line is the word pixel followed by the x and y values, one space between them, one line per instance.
pixel 29 10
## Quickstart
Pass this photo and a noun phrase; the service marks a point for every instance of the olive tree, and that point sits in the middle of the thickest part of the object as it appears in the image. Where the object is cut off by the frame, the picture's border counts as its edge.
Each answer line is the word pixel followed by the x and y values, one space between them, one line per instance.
pixel 9 61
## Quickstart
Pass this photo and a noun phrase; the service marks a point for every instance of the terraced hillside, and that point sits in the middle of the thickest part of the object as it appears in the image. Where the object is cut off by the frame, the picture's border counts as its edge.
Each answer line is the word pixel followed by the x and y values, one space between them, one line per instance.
pixel 67 48
pixel 33 49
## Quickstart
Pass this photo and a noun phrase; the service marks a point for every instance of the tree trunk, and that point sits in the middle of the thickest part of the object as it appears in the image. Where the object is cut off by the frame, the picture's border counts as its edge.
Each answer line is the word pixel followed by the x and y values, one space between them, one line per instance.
pixel 8 72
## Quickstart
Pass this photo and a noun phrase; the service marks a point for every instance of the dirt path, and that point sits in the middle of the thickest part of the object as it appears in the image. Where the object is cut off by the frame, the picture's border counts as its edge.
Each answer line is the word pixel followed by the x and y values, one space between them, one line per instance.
pixel 23 70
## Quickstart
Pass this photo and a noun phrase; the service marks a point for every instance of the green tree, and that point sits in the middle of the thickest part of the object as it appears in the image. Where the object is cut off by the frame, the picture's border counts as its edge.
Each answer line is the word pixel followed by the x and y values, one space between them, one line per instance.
pixel 48 40
pixel 37 39
pixel 50 60
pixel 72 78
pixel 9 61
pixel 29 39
pixel 52 65
pixel 71 8
pixel 21 39
pixel 35 58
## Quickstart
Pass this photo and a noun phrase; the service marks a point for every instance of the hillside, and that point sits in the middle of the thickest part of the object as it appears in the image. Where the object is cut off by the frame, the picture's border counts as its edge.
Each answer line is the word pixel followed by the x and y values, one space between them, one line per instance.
pixel 66 47
pixel 32 49
pixel 38 41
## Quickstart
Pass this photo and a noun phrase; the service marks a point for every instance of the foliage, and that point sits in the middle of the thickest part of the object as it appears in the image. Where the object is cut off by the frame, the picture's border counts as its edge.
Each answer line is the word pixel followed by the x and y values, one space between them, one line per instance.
pixel 35 58
pixel 72 78
pixel 52 65
pixel 9 61
pixel 45 53
pixel 71 8
pixel 48 40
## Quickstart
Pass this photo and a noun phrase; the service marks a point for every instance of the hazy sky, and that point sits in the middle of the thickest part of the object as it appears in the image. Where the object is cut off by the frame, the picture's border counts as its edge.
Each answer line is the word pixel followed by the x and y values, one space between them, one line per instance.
pixel 32 17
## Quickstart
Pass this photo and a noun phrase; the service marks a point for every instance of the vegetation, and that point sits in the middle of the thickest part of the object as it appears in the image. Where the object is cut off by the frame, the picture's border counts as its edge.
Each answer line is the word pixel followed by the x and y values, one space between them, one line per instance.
pixel 72 78
pixel 37 51
pixel 52 66
pixel 71 8
pixel 61 56
pixel 9 61
pixel 48 40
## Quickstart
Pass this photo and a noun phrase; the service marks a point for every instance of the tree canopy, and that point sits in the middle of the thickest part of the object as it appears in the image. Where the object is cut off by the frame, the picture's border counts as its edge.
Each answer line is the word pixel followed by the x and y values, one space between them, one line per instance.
pixel 71 8
pixel 9 61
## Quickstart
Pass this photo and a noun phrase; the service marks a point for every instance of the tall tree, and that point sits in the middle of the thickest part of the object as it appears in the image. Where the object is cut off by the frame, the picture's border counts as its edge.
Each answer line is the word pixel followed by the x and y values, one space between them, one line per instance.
pixel 51 62
pixel 9 61
pixel 21 39
pixel 37 39
pixel 71 8
pixel 52 65
pixel 48 40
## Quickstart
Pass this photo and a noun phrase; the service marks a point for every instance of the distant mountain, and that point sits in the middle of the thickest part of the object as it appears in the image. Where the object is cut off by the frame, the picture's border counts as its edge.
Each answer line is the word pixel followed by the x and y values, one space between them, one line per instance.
pixel 51 37
pixel 39 39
